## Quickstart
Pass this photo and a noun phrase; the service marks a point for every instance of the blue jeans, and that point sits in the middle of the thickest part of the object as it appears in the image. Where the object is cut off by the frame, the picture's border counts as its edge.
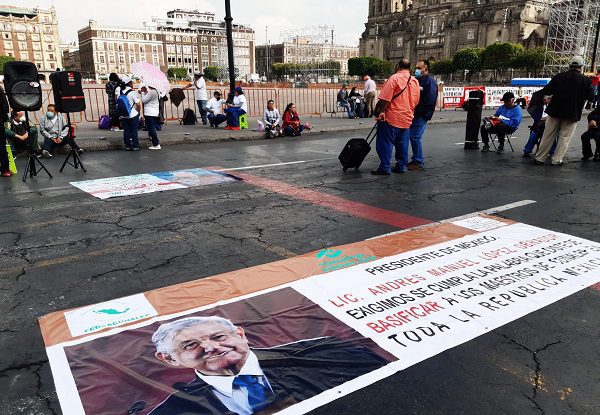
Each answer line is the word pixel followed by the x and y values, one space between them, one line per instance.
pixel 202 109
pixel 130 131
pixel 233 116
pixel 347 106
pixel 217 119
pixel 151 123
pixel 290 132
pixel 389 137
pixel 533 138
pixel 417 129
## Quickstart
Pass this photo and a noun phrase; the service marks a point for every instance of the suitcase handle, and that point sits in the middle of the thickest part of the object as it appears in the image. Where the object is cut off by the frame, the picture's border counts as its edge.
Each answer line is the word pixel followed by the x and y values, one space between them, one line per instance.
pixel 370 139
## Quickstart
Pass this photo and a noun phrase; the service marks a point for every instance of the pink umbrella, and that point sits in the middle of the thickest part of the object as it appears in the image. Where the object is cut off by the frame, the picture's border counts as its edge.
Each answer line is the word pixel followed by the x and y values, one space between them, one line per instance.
pixel 151 76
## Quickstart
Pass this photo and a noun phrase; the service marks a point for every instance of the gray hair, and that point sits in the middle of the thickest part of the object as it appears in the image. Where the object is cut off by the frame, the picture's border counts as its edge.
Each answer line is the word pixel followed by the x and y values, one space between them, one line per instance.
pixel 165 334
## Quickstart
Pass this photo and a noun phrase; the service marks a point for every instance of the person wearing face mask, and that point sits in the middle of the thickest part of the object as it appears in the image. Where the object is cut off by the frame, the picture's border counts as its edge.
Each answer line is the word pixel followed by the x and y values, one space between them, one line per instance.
pixel 423 113
pixel 55 131
pixel 19 135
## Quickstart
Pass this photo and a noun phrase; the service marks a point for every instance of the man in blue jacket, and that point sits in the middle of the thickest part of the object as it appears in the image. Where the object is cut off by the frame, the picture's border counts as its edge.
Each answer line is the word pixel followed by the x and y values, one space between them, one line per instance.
pixel 505 121
pixel 423 113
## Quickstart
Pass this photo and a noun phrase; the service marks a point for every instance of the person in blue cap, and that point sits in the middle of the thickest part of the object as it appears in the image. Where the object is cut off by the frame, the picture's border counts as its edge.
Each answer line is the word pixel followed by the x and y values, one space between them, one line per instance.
pixel 237 108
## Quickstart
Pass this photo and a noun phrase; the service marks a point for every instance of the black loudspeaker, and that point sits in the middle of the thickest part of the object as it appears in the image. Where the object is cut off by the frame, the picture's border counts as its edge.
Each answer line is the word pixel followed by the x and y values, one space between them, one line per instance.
pixel 22 87
pixel 474 119
pixel 68 91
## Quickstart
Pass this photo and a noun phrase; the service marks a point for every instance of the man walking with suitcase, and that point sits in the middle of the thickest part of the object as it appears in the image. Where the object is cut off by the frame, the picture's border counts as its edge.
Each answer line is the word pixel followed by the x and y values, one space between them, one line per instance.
pixel 397 102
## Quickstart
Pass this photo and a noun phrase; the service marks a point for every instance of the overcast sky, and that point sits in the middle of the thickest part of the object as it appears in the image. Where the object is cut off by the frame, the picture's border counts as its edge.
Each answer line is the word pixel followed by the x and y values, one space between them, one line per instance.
pixel 347 16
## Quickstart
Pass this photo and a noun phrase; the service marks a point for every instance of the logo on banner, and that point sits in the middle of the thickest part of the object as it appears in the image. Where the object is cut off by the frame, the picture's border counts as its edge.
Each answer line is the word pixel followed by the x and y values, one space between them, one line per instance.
pixel 109 314
pixel 335 259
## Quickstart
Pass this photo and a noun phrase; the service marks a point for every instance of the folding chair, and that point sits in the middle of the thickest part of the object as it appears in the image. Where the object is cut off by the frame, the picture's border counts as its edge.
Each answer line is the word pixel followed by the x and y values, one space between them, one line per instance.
pixel 339 108
pixel 494 136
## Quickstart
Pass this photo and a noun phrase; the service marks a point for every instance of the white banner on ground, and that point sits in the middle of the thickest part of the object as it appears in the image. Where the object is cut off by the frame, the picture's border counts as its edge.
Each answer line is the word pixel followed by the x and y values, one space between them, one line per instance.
pixel 421 303
pixel 493 95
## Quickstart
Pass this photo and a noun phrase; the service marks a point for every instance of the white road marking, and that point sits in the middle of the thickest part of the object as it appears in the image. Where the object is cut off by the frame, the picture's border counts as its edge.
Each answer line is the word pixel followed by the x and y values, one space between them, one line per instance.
pixel 273 165
pixel 489 211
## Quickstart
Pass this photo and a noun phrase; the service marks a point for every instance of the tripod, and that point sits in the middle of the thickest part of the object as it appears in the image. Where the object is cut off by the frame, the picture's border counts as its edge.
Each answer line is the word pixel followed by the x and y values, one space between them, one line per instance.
pixel 73 153
pixel 31 167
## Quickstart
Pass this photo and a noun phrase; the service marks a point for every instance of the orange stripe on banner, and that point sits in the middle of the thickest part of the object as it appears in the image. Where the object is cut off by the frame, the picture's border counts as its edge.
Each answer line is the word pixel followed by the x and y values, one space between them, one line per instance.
pixel 361 210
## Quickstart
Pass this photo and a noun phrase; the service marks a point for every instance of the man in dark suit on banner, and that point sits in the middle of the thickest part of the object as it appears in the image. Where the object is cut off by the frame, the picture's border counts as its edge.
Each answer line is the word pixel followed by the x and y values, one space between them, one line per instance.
pixel 232 378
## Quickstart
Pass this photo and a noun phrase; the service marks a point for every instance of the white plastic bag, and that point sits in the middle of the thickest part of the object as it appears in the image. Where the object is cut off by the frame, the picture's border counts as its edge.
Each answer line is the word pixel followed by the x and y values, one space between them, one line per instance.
pixel 261 126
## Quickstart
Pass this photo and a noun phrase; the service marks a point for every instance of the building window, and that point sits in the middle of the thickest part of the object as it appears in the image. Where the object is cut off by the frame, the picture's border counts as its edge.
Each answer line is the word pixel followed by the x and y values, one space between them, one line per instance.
pixel 471 34
pixel 24 55
pixel 7 36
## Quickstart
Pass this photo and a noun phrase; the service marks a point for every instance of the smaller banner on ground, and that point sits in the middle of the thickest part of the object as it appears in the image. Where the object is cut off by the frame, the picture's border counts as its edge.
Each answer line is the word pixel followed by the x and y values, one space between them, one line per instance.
pixel 152 182
pixel 222 344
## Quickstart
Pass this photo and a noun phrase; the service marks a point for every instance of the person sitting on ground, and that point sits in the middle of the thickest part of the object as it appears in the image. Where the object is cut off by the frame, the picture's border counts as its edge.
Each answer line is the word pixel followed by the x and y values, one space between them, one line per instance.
pixel 342 100
pixel 593 133
pixel 150 101
pixel 291 122
pixel 356 102
pixel 505 121
pixel 214 106
pixel 55 131
pixel 271 119
pixel 236 109
pixel 16 131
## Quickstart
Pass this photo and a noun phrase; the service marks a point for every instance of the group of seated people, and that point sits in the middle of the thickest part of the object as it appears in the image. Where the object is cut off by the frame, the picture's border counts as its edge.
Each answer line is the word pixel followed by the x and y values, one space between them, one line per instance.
pixel 291 126
pixel 52 127
pixel 508 117
pixel 352 102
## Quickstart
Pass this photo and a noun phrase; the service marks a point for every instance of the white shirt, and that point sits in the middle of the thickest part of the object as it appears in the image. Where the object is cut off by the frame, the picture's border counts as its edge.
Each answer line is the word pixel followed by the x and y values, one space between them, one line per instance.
pixel 236 400
pixel 133 98
pixel 150 101
pixel 200 93
pixel 215 105
pixel 370 86
pixel 240 101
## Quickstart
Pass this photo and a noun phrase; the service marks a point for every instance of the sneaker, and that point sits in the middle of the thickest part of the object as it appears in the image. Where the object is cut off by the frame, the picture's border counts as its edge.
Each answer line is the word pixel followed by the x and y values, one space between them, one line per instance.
pixel 560 163
pixel 156 147
pixel 416 167
pixel 79 151
pixel 526 155
pixel 46 154
pixel 135 149
pixel 380 172
pixel 127 148
pixel 7 173
pixel 537 163
pixel 584 158
pixel 397 170
pixel 500 149
pixel 114 129
pixel 485 148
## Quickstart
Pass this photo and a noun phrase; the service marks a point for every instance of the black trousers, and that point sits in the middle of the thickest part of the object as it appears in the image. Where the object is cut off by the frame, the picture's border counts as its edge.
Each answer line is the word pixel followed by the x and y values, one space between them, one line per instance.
pixel 586 142
pixel 501 130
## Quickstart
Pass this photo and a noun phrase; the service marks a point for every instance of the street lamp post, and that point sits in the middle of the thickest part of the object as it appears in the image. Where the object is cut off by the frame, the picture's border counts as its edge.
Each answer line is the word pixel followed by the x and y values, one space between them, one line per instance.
pixel 229 29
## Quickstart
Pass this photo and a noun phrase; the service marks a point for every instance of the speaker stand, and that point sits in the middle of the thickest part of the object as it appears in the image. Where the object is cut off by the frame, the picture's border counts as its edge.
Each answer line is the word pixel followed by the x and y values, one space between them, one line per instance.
pixel 31 168
pixel 73 153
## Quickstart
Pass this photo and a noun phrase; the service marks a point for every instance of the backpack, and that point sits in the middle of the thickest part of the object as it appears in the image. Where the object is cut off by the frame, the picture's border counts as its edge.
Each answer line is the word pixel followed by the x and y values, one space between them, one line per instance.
pixel 104 122
pixel 189 117
pixel 123 105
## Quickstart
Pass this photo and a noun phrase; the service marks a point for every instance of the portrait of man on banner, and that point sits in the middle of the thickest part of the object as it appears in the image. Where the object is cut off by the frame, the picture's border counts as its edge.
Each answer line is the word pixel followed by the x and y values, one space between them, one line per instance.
pixel 233 377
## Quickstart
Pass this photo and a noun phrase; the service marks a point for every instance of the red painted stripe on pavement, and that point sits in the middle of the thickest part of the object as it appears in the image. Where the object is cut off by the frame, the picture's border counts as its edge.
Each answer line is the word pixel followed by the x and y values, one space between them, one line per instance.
pixel 361 210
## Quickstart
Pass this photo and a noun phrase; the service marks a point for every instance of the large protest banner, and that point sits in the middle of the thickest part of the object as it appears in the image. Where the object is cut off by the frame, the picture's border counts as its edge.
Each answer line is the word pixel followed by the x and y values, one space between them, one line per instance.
pixel 391 302
pixel 456 96
pixel 151 182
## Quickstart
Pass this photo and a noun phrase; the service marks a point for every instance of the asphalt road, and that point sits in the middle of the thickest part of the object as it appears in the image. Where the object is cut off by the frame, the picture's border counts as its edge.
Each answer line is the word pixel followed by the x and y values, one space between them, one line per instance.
pixel 61 248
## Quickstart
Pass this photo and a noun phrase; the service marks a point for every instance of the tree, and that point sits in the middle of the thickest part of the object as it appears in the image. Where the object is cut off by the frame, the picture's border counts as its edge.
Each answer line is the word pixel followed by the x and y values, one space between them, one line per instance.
pixel 3 60
pixel 177 73
pixel 500 56
pixel 532 60
pixel 369 65
pixel 212 73
pixel 443 67
pixel 469 59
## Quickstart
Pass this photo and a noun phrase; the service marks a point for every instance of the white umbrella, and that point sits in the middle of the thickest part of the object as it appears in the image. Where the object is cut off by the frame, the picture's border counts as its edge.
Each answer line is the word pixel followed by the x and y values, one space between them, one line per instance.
pixel 151 75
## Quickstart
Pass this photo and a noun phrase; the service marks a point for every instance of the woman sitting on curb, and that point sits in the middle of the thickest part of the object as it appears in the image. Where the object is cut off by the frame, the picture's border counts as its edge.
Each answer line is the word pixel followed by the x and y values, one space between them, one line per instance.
pixel 291 122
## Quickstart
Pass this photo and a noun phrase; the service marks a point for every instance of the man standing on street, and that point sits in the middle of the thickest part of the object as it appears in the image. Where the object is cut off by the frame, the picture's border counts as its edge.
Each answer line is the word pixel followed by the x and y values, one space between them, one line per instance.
pixel 569 92
pixel 423 113
pixel 200 95
pixel 369 94
pixel 399 97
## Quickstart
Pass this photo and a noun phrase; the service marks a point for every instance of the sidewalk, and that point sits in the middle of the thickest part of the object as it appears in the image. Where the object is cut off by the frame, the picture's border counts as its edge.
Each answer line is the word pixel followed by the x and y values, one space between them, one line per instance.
pixel 90 138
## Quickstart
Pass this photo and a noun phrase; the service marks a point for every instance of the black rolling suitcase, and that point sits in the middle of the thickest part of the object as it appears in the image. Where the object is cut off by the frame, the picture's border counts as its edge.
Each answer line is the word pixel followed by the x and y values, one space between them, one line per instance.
pixel 356 149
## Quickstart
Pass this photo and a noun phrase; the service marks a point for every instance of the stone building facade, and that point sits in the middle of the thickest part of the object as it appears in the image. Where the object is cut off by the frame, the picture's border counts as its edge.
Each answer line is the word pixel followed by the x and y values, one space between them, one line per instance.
pixel 31 35
pixel 436 29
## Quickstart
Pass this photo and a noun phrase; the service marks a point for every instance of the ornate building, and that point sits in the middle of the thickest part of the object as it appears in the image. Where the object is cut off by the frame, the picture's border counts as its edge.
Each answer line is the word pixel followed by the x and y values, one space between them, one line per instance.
pixel 436 29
